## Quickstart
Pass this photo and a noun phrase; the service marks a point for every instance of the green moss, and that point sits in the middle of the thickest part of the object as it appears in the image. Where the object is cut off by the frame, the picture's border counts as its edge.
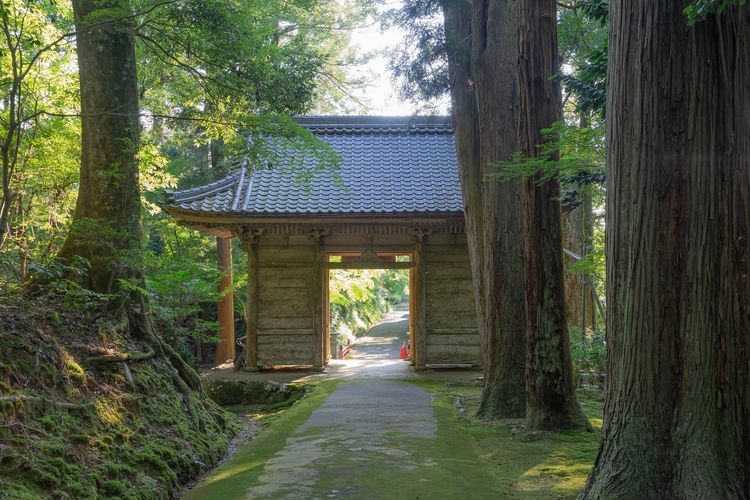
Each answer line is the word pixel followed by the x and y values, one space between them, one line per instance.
pixel 526 464
pixel 231 479
pixel 74 370
pixel 113 488
pixel 126 440
pixel 231 393
pixel 469 458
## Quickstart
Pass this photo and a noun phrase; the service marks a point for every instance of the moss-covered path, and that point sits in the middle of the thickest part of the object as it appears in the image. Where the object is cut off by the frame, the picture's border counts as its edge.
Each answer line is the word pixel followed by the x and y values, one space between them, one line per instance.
pixel 368 434
pixel 372 429
pixel 365 439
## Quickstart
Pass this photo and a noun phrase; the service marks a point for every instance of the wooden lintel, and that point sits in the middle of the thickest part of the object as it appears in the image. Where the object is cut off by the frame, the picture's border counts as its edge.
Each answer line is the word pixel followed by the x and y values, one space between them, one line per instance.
pixel 368 265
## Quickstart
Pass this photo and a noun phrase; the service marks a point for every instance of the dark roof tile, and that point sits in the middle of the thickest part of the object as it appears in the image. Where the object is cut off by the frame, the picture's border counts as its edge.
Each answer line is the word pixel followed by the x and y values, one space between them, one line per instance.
pixel 390 165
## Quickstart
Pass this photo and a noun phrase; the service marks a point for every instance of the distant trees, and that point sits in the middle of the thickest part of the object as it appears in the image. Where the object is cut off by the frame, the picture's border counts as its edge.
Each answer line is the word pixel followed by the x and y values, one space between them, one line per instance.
pixel 38 146
pixel 677 413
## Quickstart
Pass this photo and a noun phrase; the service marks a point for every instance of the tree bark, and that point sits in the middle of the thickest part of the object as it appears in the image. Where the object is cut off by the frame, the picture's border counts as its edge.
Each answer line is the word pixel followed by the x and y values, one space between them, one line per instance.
pixel 106 227
pixel 482 53
pixel 551 400
pixel 677 412
pixel 106 224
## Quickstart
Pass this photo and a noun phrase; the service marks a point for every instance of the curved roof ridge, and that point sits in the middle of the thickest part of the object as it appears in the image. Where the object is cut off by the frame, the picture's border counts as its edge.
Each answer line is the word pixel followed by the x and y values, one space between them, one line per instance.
pixel 380 124
pixel 190 194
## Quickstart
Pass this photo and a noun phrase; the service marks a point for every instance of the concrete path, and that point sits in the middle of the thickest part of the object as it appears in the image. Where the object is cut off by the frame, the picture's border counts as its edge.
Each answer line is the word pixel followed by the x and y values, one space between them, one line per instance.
pixel 365 426
pixel 365 432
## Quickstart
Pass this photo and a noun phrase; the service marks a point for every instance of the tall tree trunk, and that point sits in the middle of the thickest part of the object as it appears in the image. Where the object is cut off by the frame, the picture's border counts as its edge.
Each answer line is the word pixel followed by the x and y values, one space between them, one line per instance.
pixel 106 224
pixel 482 48
pixel 677 413
pixel 551 398
pixel 494 58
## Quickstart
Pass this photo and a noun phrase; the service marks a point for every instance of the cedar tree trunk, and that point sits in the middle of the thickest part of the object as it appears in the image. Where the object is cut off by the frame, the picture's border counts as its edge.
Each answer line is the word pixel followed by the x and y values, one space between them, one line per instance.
pixel 106 226
pixel 482 55
pixel 677 412
pixel 551 400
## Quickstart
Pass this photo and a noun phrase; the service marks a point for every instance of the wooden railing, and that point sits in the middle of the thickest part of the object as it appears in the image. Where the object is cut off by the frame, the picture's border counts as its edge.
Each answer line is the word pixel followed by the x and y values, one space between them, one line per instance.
pixel 344 350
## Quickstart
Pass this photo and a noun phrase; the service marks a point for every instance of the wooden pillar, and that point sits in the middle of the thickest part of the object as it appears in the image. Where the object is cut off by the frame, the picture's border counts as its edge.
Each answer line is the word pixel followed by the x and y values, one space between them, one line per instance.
pixel 420 302
pixel 318 352
pixel 326 314
pixel 225 348
pixel 412 313
pixel 250 245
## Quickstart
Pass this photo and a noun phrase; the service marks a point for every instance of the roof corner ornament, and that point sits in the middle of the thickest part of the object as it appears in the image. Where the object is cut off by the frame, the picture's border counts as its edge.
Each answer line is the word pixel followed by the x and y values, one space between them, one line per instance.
pixel 240 182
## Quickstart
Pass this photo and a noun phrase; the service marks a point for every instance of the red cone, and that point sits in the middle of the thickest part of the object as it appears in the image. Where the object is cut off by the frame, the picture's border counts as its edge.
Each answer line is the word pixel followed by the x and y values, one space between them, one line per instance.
pixel 404 351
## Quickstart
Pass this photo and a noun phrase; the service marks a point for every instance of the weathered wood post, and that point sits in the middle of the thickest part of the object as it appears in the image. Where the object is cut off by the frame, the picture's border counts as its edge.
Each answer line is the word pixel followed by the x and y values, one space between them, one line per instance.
pixel 318 351
pixel 420 302
pixel 250 246
pixel 225 348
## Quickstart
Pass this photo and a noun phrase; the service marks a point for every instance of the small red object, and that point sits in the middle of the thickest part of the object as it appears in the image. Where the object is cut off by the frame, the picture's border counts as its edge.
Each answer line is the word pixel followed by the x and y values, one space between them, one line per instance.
pixel 404 351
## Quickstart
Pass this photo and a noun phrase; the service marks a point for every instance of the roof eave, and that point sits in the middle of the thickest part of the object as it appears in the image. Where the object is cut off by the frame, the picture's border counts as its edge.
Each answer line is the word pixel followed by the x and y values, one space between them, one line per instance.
pixel 198 217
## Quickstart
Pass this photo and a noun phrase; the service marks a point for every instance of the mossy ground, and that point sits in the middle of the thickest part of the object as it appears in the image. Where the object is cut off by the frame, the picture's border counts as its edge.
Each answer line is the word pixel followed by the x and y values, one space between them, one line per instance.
pixel 71 428
pixel 469 458
pixel 523 463
pixel 231 479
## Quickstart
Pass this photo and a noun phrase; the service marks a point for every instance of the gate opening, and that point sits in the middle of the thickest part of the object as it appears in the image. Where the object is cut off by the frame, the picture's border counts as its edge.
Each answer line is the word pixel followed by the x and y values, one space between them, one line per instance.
pixel 369 306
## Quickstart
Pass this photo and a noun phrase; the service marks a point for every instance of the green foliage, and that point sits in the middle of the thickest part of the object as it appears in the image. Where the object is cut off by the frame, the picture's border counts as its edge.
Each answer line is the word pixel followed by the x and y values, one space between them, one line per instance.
pixel 360 298
pixel 593 263
pixel 182 279
pixel 420 63
pixel 582 42
pixel 581 158
pixel 589 354
pixel 40 147
pixel 699 10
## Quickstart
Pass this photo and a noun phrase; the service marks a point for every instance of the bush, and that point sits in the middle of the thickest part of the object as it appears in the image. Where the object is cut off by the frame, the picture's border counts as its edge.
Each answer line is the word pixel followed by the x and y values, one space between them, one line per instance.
pixel 589 355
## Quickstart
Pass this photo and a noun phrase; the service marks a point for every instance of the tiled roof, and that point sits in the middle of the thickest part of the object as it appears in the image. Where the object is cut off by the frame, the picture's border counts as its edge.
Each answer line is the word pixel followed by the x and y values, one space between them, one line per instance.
pixel 390 166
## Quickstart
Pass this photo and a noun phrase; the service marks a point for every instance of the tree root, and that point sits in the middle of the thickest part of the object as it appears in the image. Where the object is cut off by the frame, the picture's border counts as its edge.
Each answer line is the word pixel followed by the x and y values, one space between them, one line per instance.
pixel 38 399
pixel 121 357
pixel 141 326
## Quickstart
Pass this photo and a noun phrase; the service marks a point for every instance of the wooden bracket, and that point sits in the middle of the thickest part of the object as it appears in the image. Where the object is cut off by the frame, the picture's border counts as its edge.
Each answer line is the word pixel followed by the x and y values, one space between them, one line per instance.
pixel 250 236
pixel 422 233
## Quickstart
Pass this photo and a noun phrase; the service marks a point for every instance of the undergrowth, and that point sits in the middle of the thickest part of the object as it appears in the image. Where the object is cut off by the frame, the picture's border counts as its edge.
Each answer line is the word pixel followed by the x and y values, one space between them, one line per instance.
pixel 75 423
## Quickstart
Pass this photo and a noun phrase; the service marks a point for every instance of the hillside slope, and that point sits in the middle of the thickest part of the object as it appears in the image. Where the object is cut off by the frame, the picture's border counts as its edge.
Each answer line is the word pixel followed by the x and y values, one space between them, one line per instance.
pixel 87 411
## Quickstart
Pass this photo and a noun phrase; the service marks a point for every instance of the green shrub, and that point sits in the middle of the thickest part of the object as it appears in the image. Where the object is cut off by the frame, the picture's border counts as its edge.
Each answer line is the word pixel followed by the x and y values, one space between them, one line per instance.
pixel 589 355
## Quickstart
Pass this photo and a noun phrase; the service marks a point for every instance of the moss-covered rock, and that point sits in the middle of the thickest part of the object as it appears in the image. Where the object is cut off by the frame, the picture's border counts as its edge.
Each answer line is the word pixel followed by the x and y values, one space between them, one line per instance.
pixel 228 392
